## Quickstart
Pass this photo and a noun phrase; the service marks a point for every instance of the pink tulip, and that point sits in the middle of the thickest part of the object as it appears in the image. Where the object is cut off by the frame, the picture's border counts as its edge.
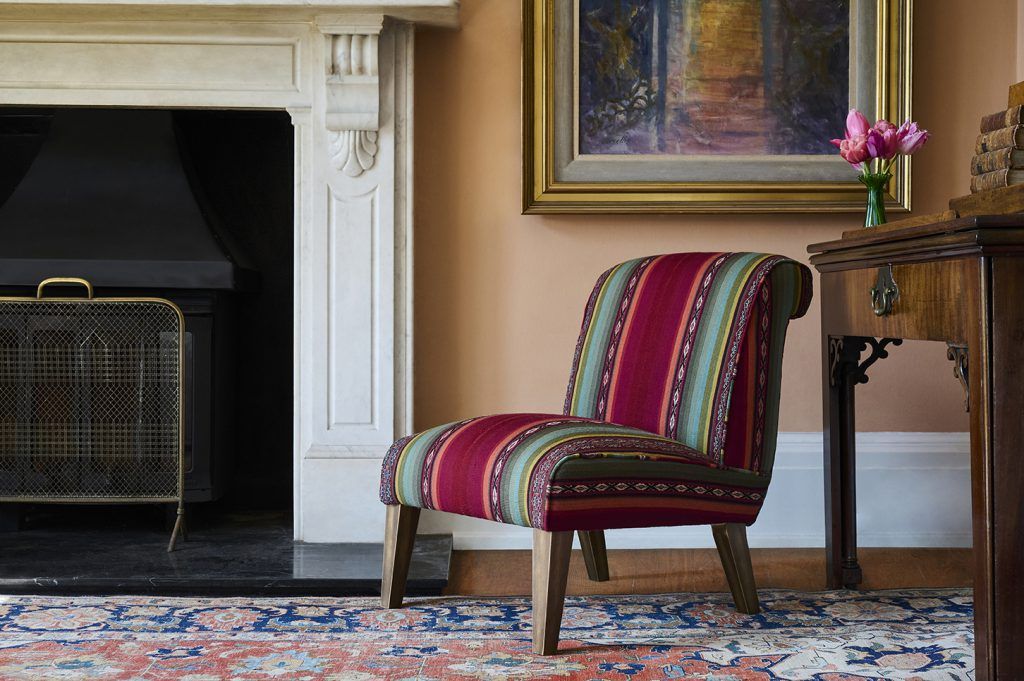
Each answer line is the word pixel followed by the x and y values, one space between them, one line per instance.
pixel 883 140
pixel 910 138
pixel 854 150
pixel 855 147
pixel 856 124
pixel 862 142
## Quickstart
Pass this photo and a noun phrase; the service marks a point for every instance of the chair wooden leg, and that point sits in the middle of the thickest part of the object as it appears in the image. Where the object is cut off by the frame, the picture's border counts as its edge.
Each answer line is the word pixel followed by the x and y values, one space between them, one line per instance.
pixel 731 539
pixel 595 555
pixel 551 551
pixel 399 536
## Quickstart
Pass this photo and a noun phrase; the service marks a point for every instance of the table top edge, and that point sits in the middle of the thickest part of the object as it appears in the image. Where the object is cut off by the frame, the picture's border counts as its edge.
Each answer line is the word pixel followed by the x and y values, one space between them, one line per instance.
pixel 966 225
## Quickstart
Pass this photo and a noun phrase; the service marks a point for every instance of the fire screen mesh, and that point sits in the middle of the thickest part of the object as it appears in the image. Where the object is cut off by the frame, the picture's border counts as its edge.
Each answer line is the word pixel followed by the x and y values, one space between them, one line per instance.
pixel 90 400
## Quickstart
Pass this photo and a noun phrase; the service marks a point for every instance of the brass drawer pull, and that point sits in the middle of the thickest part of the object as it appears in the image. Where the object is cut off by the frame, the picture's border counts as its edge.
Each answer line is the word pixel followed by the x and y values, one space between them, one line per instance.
pixel 885 292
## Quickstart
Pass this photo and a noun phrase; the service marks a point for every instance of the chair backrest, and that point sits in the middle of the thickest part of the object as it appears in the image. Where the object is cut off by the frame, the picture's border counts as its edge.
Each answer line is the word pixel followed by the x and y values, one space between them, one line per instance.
pixel 689 346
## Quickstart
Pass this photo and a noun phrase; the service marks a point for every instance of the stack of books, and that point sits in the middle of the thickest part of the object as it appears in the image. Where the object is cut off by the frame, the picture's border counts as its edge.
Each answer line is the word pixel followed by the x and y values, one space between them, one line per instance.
pixel 999 152
pixel 997 169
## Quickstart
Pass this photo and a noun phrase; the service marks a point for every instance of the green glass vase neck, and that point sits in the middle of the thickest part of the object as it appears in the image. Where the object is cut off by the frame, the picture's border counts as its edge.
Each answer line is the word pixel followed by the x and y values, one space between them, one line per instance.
pixel 874 212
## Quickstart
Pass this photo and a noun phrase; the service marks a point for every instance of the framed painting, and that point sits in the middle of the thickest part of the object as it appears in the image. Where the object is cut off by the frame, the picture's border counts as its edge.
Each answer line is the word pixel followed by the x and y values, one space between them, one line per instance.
pixel 706 106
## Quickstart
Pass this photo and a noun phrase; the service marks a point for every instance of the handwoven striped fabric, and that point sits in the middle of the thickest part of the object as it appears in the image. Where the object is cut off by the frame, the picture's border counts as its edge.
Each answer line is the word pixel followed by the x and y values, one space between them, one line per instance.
pixel 670 417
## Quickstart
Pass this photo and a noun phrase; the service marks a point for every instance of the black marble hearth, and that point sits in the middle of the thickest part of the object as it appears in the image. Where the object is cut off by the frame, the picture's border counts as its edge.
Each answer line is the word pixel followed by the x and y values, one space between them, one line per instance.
pixel 232 553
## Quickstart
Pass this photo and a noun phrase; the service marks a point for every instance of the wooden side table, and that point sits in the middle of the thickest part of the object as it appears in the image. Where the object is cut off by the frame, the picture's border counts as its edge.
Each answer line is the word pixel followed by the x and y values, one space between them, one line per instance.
pixel 959 281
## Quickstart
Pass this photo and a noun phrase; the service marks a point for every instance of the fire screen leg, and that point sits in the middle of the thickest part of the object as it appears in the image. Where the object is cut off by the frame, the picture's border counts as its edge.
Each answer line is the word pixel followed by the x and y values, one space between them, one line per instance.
pixel 179 528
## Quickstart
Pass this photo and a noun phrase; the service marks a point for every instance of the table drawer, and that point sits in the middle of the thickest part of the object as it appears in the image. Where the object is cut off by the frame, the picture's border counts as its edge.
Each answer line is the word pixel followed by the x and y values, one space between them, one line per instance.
pixel 933 301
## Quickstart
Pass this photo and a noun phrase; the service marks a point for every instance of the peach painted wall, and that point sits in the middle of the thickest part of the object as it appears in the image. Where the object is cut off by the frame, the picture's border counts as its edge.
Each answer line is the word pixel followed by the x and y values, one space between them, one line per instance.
pixel 499 294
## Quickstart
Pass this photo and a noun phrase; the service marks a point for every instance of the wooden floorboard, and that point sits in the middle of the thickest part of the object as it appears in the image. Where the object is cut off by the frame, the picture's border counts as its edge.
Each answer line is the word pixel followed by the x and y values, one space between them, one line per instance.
pixel 507 573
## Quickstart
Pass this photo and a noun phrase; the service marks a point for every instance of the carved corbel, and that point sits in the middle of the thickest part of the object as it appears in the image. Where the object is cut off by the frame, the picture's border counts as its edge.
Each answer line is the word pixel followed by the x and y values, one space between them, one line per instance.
pixel 352 151
pixel 352 91
pixel 844 354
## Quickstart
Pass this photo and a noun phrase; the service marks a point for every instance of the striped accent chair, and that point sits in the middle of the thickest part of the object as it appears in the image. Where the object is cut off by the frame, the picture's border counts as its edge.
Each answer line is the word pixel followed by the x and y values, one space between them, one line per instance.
pixel 670 418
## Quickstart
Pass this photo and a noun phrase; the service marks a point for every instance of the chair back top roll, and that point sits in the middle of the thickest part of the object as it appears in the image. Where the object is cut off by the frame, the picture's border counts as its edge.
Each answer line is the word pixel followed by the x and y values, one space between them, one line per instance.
pixel 689 346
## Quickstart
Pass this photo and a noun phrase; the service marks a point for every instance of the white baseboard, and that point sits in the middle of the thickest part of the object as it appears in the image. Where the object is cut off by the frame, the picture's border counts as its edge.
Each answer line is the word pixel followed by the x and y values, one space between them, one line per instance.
pixel 913 489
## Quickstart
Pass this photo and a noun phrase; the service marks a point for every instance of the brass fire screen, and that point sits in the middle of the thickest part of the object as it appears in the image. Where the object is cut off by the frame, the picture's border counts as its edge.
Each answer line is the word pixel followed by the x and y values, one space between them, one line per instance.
pixel 91 400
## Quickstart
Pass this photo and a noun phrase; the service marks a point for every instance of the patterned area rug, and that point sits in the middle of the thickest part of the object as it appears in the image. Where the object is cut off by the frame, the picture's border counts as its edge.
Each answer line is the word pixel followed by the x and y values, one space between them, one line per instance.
pixel 828 636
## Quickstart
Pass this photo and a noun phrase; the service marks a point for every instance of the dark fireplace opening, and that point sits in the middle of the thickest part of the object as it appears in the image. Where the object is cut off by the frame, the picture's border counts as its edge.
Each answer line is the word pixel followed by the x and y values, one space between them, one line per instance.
pixel 242 163
pixel 195 206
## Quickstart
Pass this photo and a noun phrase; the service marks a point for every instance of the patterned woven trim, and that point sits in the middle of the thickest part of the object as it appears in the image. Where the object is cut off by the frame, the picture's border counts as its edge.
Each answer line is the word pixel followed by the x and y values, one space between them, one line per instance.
pixel 652 487
pixel 683 361
pixel 541 476
pixel 588 316
pixel 764 341
pixel 616 336
pixel 388 469
pixel 720 409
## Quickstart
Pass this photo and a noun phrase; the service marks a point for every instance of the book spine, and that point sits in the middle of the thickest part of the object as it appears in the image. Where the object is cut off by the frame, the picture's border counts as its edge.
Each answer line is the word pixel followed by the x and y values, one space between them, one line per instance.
pixel 1002 119
pixel 993 180
pixel 1016 95
pixel 992 161
pixel 1005 200
pixel 1002 138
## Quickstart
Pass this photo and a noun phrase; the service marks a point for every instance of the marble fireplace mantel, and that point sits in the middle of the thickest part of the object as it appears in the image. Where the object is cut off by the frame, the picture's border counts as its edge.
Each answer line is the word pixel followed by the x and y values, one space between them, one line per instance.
pixel 343 70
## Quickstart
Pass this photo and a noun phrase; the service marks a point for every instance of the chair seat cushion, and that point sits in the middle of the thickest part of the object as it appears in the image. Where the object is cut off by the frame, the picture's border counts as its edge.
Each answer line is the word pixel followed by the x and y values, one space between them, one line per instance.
pixel 557 473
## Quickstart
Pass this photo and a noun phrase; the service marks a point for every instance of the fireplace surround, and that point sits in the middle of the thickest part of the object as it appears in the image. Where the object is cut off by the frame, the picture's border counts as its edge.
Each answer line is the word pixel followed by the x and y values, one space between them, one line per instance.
pixel 343 72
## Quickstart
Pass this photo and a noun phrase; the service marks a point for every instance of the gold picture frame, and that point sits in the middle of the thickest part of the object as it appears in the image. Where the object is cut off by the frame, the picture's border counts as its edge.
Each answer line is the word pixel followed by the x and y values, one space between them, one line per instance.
pixel 553 184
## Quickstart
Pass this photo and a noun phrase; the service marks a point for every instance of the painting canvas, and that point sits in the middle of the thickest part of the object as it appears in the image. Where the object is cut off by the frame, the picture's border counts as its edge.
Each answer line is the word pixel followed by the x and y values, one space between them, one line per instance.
pixel 707 105
pixel 693 77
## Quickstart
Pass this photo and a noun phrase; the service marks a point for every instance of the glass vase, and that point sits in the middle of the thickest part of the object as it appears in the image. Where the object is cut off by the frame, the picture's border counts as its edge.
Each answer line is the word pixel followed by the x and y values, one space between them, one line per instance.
pixel 874 212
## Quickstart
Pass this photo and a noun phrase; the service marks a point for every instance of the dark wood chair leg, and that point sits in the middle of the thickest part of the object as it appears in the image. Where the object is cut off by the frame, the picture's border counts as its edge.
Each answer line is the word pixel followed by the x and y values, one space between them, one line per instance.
pixel 551 551
pixel 731 539
pixel 399 537
pixel 595 555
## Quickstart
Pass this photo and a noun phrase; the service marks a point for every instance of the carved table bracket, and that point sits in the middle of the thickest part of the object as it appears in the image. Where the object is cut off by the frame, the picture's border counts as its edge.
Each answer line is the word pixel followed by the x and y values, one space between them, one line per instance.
pixel 958 355
pixel 835 350
pixel 352 102
pixel 844 356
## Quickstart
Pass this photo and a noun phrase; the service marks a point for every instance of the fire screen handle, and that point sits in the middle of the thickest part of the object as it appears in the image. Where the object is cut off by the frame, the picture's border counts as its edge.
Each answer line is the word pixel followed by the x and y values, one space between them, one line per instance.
pixel 64 280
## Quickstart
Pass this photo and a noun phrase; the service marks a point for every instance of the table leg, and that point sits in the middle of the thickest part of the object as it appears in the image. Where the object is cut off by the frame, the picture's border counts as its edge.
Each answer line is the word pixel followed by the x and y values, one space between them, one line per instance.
pixel 843 370
pixel 842 569
pixel 996 380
